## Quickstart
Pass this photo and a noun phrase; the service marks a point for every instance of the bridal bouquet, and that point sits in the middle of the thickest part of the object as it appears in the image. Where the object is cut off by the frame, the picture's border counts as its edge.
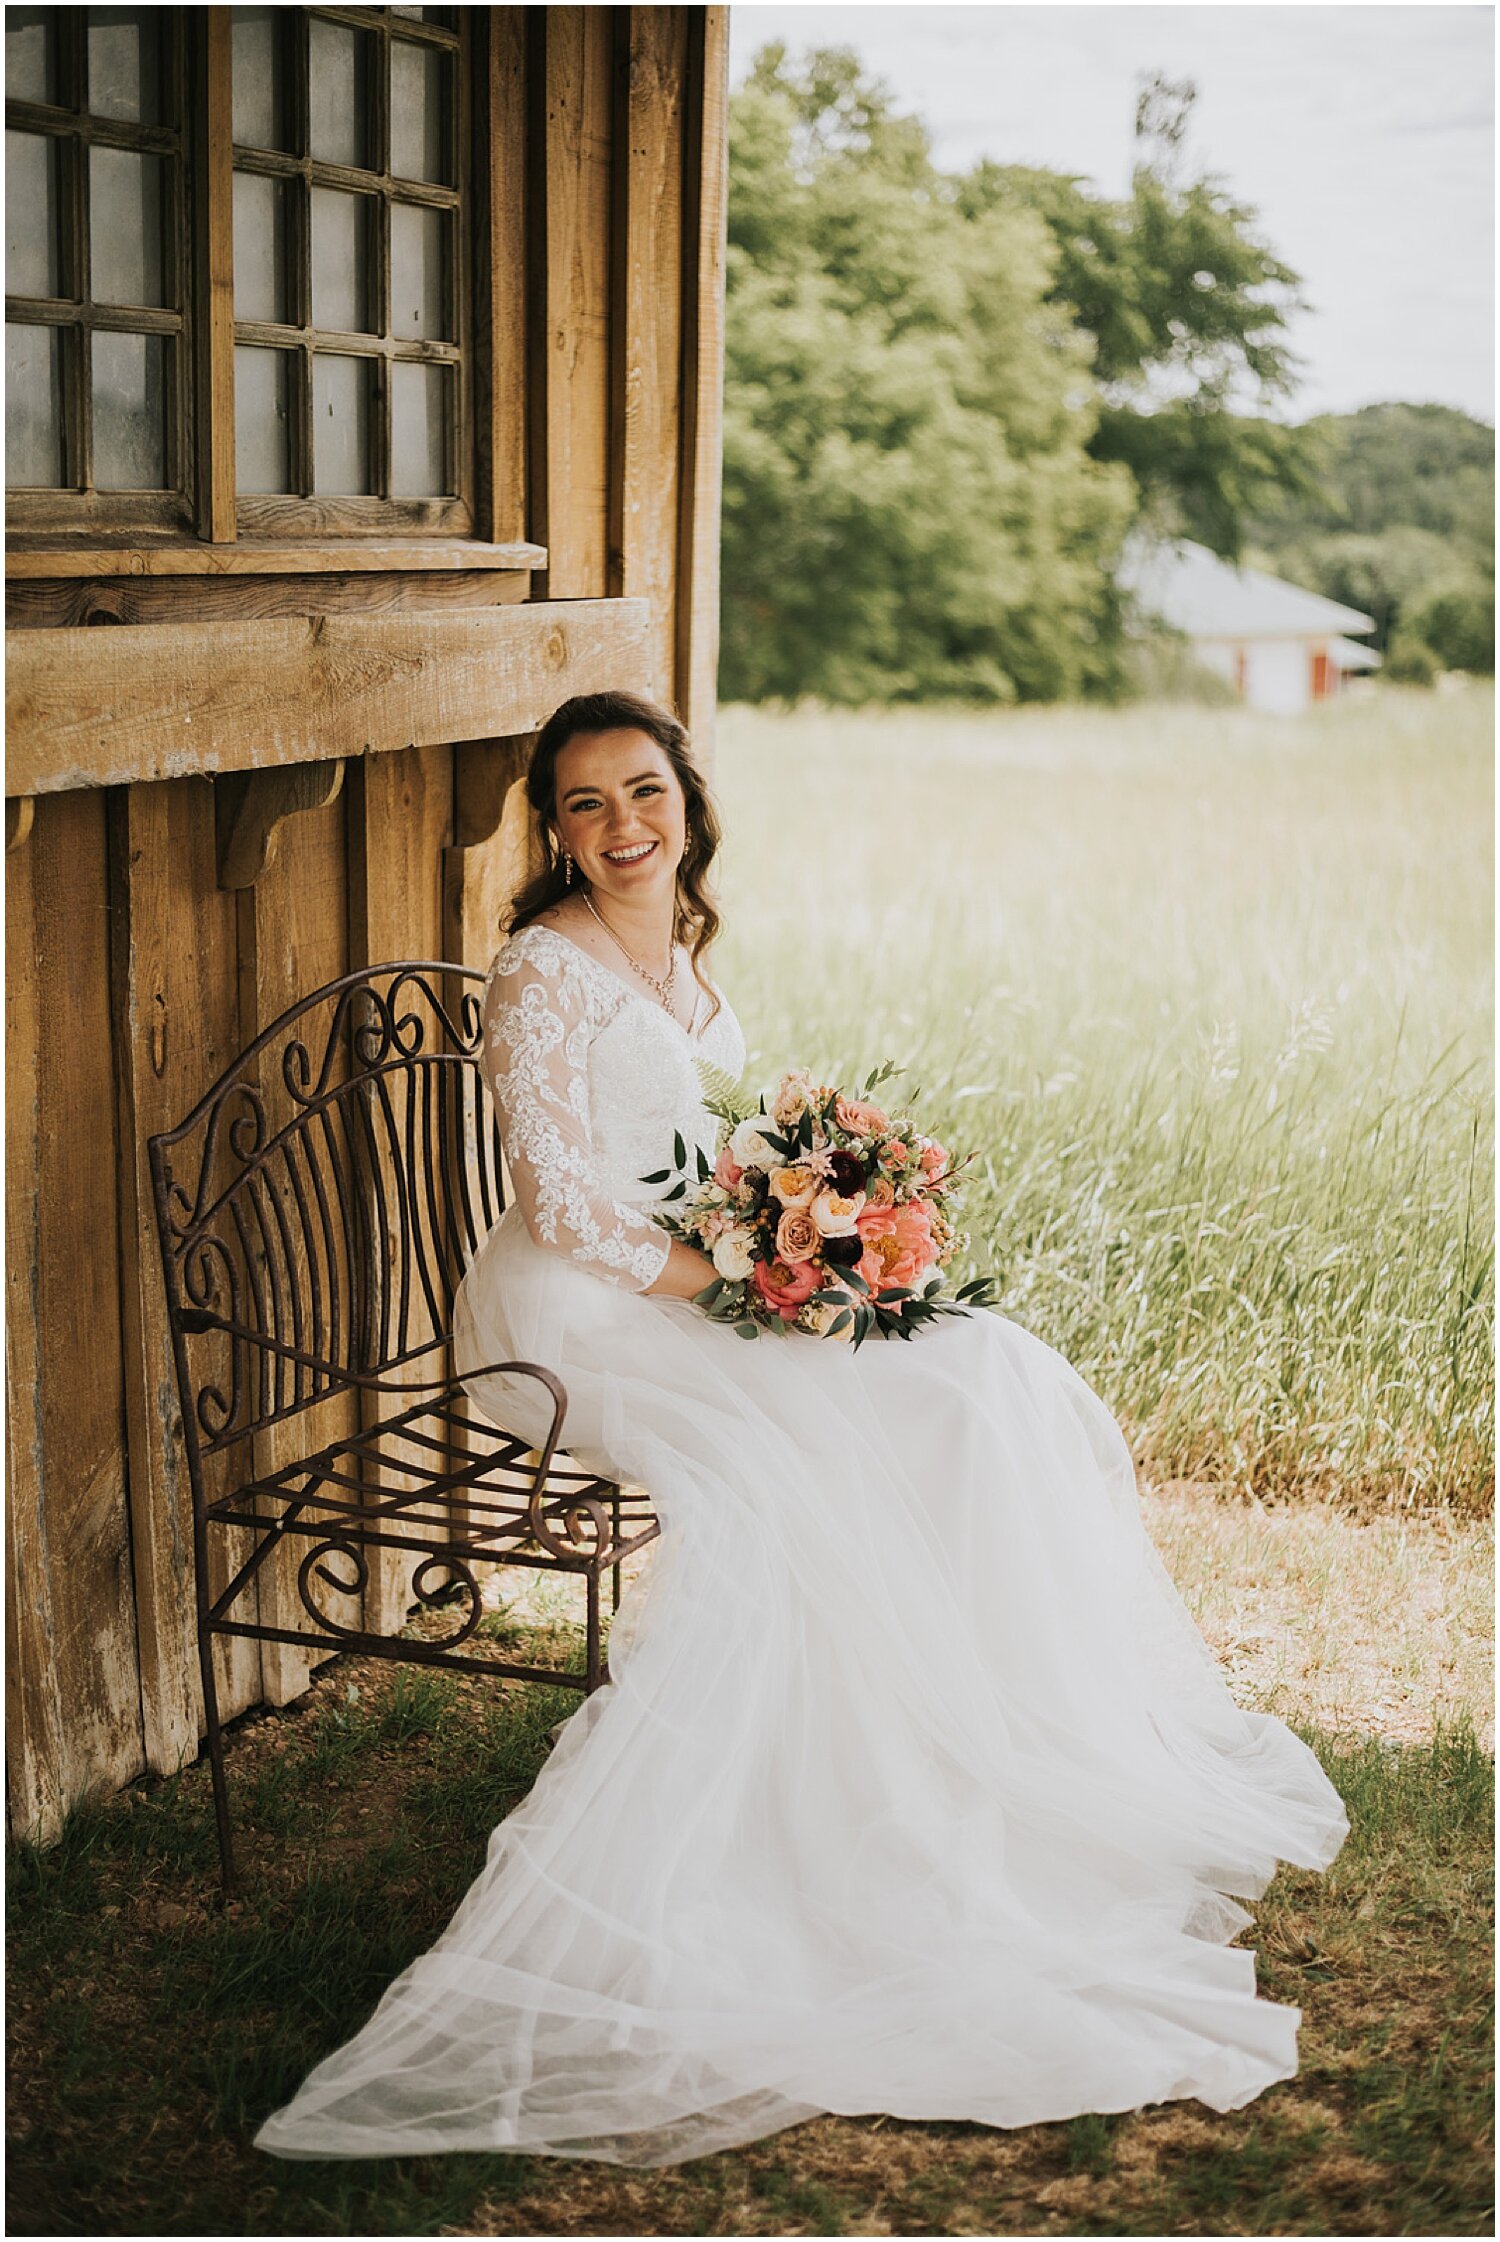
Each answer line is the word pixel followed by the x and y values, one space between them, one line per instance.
pixel 823 1213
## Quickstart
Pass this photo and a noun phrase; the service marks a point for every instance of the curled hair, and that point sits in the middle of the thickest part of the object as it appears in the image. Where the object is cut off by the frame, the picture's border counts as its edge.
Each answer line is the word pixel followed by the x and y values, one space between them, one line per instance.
pixel 695 919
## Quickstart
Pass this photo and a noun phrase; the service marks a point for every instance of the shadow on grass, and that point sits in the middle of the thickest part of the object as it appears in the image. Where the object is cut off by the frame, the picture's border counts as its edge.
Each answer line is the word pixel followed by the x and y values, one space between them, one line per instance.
pixel 151 2031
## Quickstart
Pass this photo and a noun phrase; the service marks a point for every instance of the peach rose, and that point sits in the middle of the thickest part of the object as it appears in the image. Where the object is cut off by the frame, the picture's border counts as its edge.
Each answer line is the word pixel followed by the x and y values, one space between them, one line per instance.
pixel 784 1285
pixel 934 1158
pixel 798 1237
pixel 835 1215
pixel 727 1171
pixel 894 1154
pixel 899 1244
pixel 858 1118
pixel 881 1192
pixel 794 1186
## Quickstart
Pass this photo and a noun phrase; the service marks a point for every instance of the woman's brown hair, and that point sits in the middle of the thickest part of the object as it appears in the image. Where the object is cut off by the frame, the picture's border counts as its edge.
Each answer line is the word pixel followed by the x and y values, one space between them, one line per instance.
pixel 695 920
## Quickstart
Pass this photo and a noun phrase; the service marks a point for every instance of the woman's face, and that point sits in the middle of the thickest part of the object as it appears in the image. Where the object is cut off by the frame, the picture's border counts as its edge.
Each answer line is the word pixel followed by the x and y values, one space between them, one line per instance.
pixel 618 796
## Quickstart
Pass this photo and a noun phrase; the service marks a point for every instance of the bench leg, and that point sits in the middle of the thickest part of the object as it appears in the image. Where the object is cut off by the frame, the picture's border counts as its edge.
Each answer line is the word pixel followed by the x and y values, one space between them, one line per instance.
pixel 227 1871
pixel 595 1672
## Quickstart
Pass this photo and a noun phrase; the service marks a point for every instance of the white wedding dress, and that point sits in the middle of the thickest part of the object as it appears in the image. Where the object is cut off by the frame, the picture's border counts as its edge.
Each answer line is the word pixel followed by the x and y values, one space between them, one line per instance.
pixel 914 1788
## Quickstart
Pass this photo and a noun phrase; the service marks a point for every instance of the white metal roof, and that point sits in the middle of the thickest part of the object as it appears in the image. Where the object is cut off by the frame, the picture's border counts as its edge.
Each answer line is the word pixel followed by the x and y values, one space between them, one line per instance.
pixel 1197 593
pixel 1344 654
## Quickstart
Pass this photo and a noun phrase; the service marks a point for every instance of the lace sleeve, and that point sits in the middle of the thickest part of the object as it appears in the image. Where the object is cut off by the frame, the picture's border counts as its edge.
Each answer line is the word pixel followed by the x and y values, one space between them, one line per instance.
pixel 536 1028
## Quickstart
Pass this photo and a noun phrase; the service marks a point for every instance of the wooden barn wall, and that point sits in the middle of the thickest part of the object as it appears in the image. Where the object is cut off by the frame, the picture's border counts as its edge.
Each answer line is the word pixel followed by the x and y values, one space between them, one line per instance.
pixel 148 941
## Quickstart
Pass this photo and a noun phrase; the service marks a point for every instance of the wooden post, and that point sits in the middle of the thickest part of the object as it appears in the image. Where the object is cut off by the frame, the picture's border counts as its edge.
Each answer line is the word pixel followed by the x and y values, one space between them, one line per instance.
pixel 173 1004
pixel 705 208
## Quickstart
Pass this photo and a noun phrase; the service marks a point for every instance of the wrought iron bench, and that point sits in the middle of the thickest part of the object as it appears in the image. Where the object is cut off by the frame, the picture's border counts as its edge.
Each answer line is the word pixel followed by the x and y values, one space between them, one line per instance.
pixel 316 1211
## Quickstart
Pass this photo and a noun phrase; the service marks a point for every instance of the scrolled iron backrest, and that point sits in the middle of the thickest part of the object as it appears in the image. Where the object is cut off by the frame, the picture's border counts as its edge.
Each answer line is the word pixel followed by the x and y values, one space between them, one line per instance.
pixel 318 1206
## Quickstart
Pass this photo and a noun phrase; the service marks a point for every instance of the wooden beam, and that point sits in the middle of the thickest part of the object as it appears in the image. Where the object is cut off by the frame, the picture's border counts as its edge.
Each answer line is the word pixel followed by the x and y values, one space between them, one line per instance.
pixel 493 845
pixel 705 214
pixel 20 813
pixel 647 336
pixel 250 805
pixel 173 975
pixel 574 366
pixel 33 1700
pixel 339 556
pixel 88 708
pixel 400 818
pixel 500 231
pixel 213 185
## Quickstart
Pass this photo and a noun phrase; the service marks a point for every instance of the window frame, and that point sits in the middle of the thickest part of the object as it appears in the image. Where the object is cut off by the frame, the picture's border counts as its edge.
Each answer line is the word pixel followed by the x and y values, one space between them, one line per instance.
pixel 204 503
pixel 76 506
pixel 303 512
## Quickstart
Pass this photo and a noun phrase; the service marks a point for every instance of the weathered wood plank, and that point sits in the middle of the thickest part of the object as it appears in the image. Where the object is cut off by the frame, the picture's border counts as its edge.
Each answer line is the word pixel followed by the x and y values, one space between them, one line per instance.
pixel 400 820
pixel 213 184
pixel 704 248
pixel 404 555
pixel 575 366
pixel 88 708
pixel 648 337
pixel 175 1024
pixel 75 1281
pixel 502 218
pixel 33 1699
pixel 61 603
pixel 493 845
pixel 293 936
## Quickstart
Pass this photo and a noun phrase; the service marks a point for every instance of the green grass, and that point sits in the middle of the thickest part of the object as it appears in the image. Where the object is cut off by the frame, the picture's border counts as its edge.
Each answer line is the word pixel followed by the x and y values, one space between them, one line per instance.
pixel 151 2032
pixel 1211 995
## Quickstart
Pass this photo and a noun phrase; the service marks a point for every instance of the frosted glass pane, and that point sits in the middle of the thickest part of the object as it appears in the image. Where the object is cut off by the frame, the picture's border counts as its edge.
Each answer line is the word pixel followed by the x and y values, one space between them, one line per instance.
pixel 33 408
pixel 125 61
pixel 341 261
pixel 30 54
pixel 341 425
pixel 31 215
pixel 125 214
pixel 260 274
pixel 262 420
pixel 339 80
pixel 419 112
pixel 419 291
pixel 130 412
pixel 419 431
pixel 258 69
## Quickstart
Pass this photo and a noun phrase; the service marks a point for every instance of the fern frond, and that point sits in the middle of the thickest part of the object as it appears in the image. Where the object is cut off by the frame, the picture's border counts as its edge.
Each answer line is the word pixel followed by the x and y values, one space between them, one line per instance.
pixel 725 1098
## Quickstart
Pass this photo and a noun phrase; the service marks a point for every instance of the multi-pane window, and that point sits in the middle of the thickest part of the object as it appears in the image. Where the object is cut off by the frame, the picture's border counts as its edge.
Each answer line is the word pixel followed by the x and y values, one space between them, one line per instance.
pixel 339 218
pixel 95 268
pixel 348 206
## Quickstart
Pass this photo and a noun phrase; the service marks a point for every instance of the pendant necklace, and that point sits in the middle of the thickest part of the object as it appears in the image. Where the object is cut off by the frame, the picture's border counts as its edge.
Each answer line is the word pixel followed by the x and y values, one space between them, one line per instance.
pixel 666 989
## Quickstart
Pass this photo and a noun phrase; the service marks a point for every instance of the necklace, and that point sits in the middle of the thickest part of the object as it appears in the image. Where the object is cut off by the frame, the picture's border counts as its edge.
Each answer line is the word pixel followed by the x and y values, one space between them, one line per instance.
pixel 666 989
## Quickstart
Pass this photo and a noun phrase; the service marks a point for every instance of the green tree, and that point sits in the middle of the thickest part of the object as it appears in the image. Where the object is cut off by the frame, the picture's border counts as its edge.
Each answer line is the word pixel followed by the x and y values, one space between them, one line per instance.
pixel 1187 307
pixel 910 506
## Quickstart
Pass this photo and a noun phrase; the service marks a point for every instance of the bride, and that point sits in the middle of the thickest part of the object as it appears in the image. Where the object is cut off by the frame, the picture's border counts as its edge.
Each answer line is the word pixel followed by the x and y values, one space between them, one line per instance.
pixel 914 1788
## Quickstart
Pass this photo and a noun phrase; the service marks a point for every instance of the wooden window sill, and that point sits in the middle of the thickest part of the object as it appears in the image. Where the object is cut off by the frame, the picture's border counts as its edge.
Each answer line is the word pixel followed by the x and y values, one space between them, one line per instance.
pixel 337 557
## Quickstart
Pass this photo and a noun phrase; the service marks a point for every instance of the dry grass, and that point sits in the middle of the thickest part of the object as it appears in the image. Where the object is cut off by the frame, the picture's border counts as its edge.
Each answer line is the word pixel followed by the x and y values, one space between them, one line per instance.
pixel 149 2032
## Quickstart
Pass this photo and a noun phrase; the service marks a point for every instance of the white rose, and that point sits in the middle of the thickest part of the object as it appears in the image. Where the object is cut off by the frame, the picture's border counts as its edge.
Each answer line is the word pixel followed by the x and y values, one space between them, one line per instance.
pixel 835 1216
pixel 749 1149
pixel 732 1255
pixel 818 1315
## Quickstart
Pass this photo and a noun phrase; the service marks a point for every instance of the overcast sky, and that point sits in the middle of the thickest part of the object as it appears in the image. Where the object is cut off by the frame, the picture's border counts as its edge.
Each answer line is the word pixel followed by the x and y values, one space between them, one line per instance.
pixel 1363 135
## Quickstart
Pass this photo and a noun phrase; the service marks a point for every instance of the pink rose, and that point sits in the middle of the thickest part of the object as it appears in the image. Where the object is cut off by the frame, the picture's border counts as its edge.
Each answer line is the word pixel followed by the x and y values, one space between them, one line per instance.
pixel 785 1285
pixel 899 1244
pixel 894 1154
pixel 798 1237
pixel 726 1173
pixel 934 1158
pixel 858 1118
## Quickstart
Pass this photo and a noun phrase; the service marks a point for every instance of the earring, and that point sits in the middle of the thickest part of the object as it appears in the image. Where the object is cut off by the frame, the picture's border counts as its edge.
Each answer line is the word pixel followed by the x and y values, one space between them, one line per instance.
pixel 568 861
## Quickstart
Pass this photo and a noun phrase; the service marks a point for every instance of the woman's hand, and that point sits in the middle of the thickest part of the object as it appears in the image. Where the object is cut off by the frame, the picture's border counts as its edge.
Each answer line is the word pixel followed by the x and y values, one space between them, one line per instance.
pixel 685 1272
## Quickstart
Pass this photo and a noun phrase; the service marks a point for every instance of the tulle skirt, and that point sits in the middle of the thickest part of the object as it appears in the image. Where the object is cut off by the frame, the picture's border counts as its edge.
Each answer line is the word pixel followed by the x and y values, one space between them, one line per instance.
pixel 914 1789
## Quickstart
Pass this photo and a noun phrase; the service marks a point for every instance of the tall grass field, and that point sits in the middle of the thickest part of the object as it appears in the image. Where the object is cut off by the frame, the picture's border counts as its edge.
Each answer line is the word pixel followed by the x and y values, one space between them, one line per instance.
pixel 1211 994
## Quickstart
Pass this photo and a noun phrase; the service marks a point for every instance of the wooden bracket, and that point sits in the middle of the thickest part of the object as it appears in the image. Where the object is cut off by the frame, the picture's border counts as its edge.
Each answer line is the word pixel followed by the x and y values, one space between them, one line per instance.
pixel 250 805
pixel 20 809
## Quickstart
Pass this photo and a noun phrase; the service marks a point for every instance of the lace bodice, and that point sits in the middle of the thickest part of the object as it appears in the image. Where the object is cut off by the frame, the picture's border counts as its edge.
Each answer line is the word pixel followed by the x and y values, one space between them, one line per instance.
pixel 591 1080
